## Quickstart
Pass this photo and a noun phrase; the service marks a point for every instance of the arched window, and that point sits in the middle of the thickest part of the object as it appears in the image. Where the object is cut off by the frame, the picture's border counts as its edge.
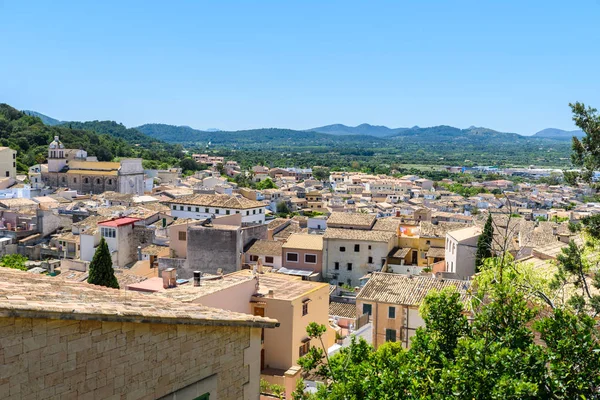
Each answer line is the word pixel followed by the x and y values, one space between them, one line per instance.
pixel 97 181
pixel 86 180
pixel 110 181
pixel 74 180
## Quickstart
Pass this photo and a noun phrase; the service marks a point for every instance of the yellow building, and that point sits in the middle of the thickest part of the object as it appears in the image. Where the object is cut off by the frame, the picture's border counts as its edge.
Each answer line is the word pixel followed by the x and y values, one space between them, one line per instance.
pixel 8 163
pixel 393 301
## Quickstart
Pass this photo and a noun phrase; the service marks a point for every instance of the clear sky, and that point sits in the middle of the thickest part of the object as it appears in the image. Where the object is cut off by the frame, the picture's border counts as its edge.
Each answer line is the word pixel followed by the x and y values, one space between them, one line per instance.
pixel 507 65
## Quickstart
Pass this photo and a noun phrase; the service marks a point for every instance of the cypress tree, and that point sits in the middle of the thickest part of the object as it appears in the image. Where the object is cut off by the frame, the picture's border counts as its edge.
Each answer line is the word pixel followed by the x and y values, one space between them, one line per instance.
pixel 484 243
pixel 101 269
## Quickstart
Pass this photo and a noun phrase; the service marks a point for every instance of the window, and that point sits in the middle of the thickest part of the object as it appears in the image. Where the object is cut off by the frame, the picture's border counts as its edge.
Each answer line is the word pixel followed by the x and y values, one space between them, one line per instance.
pixel 367 309
pixel 304 349
pixel 369 247
pixel 97 181
pixel 206 210
pixel 197 209
pixel 63 179
pixel 108 232
pixel 392 312
pixel 205 396
pixel 237 211
pixel 86 180
pixel 357 248
pixel 14 164
pixel 175 208
pixel 304 308
pixel 74 180
pixel 310 258
pixel 181 208
pixel 342 249
pixel 7 173
pixel 14 155
pixel 260 210
pixel 227 212
pixel 293 257
pixel 247 212
pixel 349 266
pixel 110 181
pixel 189 208
pixel 390 335
pixel 182 235
pixel 428 242
pixel 336 265
pixel 269 260
pixel 370 260
pixel 253 211
pixel 216 210
pixel 253 258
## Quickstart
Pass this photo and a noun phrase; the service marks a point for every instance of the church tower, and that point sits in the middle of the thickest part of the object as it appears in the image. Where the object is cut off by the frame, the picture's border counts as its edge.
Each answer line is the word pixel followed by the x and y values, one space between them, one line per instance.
pixel 56 156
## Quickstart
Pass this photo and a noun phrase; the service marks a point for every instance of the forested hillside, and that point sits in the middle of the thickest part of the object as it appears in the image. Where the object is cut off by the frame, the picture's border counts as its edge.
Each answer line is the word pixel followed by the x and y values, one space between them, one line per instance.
pixel 30 137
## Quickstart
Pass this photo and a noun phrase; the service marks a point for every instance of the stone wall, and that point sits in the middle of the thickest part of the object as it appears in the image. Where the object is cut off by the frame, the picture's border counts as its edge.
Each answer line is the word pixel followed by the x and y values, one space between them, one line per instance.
pixel 64 359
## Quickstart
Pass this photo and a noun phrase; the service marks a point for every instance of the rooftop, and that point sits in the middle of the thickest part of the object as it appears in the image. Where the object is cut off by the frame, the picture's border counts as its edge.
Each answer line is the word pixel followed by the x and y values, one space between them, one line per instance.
pixel 405 289
pixel 119 222
pixel 94 165
pixel 355 234
pixel 345 310
pixel 217 200
pixel 304 241
pixel 35 296
pixel 361 220
pixel 430 230
pixel 465 233
pixel 265 248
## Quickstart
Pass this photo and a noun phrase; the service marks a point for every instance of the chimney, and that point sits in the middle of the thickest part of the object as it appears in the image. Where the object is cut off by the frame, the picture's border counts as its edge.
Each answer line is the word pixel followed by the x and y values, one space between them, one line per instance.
pixel 169 278
pixel 139 253
pixel 270 293
pixel 197 276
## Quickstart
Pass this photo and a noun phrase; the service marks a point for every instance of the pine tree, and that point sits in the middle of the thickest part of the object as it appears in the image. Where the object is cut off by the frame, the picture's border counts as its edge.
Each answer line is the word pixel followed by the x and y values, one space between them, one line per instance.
pixel 484 243
pixel 101 270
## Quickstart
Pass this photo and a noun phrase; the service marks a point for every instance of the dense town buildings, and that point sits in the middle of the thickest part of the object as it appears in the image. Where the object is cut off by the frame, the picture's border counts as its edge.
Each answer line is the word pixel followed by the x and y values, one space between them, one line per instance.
pixel 355 252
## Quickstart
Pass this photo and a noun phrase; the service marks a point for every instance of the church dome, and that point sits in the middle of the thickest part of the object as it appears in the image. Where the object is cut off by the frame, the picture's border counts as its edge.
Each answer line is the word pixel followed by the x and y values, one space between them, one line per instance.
pixel 56 144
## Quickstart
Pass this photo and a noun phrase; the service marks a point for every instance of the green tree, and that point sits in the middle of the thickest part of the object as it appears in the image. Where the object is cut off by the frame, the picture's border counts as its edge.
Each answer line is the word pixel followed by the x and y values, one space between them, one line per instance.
pixel 586 152
pixel 101 271
pixel 187 164
pixel 484 243
pixel 15 261
pixel 266 184
pixel 320 173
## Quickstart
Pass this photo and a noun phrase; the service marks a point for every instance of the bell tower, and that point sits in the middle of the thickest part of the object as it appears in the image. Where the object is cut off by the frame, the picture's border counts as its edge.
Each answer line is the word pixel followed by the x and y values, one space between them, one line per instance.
pixel 56 156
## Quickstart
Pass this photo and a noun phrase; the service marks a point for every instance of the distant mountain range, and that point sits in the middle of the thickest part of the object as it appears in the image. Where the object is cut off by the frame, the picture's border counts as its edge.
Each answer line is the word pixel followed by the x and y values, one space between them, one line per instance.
pixel 558 134
pixel 362 129
pixel 45 119
pixel 336 134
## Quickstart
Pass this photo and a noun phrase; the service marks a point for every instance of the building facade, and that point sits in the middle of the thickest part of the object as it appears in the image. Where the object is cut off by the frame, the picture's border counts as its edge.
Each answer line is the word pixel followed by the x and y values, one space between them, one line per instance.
pixel 70 168
pixel 8 163
pixel 203 206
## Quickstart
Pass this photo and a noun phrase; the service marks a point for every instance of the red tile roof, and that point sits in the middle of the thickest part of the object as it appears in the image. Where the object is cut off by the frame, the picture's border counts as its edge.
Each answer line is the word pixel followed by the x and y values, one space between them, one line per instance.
pixel 119 222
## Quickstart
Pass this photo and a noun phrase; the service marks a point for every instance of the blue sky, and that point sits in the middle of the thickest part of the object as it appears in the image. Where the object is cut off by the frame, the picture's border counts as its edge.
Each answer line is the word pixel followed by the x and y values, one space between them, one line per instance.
pixel 507 65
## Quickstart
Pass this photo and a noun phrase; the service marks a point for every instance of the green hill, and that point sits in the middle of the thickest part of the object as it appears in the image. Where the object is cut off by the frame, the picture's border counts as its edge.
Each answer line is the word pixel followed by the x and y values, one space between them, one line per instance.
pixel 45 119
pixel 30 137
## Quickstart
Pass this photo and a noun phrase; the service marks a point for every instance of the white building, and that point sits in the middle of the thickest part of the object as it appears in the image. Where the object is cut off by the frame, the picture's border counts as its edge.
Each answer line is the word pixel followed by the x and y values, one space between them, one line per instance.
pixel 349 254
pixel 202 206
pixel 461 248
pixel 118 234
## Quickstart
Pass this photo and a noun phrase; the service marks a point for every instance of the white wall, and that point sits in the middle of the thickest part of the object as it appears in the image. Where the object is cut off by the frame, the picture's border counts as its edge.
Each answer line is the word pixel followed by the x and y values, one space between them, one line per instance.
pixel 359 260
pixel 87 245
pixel 256 215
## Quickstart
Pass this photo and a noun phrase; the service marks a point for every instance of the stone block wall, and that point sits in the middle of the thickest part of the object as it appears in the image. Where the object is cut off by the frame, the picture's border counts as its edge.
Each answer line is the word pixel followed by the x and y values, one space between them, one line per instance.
pixel 66 359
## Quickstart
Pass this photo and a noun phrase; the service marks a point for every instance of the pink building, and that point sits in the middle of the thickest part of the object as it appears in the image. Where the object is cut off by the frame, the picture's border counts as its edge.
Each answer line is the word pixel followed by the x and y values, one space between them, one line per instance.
pixel 303 252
